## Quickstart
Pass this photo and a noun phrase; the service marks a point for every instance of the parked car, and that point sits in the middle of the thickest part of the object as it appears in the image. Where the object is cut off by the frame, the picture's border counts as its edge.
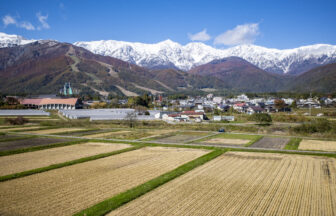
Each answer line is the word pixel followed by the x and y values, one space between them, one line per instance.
pixel 221 130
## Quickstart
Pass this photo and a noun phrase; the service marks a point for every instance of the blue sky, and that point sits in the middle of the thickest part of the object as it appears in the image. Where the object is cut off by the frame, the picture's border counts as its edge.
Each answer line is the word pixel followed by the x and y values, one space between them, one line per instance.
pixel 275 24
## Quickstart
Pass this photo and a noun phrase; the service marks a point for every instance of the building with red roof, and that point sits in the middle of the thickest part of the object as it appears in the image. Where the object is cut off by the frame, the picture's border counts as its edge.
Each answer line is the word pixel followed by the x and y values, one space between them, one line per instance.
pixel 52 103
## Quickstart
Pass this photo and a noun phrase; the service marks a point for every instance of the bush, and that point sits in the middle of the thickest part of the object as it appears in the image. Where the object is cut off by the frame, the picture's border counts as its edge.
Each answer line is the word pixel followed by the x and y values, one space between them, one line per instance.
pixel 17 121
pixel 316 126
pixel 263 118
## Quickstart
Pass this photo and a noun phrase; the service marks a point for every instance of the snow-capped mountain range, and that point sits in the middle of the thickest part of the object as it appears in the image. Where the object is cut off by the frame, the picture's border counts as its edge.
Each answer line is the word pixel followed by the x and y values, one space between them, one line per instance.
pixel 7 40
pixel 169 54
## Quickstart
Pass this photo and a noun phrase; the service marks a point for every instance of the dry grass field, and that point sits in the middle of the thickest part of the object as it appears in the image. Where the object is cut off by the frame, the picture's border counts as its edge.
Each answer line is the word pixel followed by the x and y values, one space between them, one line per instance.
pixel 70 189
pixel 56 130
pixel 184 136
pixel 228 141
pixel 321 145
pixel 245 183
pixel 106 134
pixel 32 160
pixel 155 133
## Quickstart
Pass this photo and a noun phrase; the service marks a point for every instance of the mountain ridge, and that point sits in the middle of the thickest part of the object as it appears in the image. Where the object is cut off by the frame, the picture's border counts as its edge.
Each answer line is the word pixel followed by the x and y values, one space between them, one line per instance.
pixel 170 54
pixel 165 53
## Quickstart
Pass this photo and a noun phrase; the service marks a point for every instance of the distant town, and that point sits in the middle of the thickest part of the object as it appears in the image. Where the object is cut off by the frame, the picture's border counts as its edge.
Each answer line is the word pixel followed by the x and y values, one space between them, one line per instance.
pixel 175 108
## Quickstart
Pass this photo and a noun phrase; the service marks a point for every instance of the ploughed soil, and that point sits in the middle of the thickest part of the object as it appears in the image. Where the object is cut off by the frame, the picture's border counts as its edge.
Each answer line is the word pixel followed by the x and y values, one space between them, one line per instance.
pixel 25 143
pixel 271 142
pixel 7 136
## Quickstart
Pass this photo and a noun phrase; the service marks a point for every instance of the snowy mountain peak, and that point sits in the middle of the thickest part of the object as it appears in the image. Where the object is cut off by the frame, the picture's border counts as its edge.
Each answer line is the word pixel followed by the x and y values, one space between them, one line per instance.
pixel 169 53
pixel 7 40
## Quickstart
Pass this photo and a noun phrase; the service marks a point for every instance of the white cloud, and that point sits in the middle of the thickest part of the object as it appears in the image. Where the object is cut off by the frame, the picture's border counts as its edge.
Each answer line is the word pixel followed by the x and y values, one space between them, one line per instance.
pixel 43 21
pixel 26 25
pixel 7 20
pixel 241 34
pixel 200 36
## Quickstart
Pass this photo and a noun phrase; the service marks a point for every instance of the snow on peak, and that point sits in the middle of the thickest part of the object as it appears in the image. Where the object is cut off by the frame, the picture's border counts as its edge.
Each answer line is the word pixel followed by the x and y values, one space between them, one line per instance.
pixel 168 53
pixel 185 57
pixel 7 40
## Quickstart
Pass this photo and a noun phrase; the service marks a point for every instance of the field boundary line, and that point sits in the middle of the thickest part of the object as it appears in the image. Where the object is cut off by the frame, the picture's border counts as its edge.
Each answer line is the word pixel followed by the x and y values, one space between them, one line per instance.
pixel 65 164
pixel 112 203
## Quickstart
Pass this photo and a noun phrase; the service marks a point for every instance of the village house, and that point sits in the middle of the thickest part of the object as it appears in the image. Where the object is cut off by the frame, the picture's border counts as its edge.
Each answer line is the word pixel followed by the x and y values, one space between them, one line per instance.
pixel 193 115
pixel 254 109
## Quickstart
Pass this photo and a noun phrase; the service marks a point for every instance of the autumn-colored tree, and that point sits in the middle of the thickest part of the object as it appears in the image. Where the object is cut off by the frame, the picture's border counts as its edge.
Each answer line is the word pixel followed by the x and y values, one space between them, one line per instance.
pixel 279 104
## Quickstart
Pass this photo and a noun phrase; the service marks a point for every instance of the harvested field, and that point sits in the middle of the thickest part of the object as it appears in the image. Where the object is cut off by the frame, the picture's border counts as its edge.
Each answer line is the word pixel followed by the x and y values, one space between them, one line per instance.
pixel 84 133
pixel 19 128
pixel 182 137
pixel 56 130
pixel 156 133
pixel 271 142
pixel 25 143
pixel 228 141
pixel 70 189
pixel 106 134
pixel 32 160
pixel 246 183
pixel 131 135
pixel 319 145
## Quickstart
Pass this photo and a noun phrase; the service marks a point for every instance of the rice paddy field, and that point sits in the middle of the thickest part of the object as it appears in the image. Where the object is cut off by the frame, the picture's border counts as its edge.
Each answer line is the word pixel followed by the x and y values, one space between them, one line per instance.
pixel 246 183
pixel 271 142
pixel 181 137
pixel 165 171
pixel 107 134
pixel 227 139
pixel 19 128
pixel 32 160
pixel 317 145
pixel 31 142
pixel 56 130
pixel 67 190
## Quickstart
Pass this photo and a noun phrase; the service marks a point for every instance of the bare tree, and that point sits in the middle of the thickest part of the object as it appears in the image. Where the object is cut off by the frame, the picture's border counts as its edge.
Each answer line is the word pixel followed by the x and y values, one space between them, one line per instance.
pixel 131 119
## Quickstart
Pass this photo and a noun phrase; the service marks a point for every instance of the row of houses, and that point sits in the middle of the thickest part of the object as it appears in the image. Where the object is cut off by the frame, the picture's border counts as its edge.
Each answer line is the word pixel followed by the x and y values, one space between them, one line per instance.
pixel 244 104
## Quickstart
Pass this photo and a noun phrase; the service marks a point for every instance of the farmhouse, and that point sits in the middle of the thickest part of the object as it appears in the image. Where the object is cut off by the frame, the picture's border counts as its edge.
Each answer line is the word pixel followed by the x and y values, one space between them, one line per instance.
pixel 52 103
pixel 193 115
pixel 254 109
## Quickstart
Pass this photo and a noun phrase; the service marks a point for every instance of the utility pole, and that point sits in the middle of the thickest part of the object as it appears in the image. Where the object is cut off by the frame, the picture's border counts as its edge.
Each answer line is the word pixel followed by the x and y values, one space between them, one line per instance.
pixel 310 104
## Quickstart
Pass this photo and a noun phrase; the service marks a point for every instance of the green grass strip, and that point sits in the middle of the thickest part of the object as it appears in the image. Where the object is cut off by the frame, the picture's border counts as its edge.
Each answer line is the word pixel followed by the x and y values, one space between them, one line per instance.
pixel 37 148
pixel 108 205
pixel 293 144
pixel 68 163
